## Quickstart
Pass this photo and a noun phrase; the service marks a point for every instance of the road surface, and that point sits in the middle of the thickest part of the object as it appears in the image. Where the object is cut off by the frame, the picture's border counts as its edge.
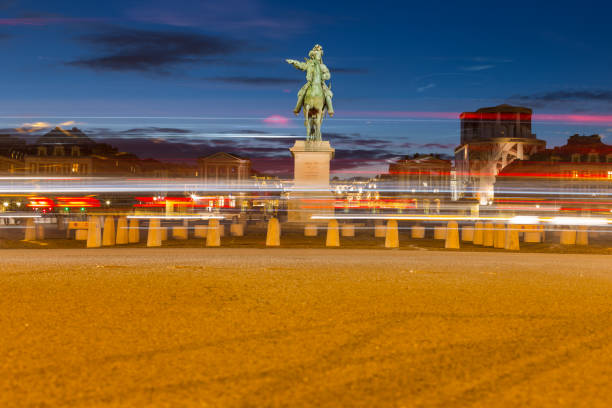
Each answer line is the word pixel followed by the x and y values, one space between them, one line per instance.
pixel 321 328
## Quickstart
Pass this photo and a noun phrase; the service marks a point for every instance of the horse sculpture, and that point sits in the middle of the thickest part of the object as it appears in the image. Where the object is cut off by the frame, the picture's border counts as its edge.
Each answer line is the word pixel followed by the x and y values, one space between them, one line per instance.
pixel 314 106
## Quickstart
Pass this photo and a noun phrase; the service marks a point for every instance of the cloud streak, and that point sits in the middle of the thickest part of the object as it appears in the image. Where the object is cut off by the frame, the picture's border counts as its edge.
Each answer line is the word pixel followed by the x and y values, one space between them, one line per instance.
pixel 255 81
pixel 153 51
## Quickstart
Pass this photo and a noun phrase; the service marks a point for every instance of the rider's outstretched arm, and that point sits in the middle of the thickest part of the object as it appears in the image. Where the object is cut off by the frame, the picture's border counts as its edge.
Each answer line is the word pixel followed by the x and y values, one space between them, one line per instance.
pixel 297 64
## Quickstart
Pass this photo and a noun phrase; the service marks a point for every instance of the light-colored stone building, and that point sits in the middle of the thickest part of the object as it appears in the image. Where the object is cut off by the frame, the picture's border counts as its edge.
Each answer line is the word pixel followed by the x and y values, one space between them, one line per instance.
pixel 224 167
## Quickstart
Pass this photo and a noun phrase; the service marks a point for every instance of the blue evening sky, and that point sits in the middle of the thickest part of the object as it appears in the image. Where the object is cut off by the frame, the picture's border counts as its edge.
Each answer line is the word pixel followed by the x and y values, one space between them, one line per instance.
pixel 191 76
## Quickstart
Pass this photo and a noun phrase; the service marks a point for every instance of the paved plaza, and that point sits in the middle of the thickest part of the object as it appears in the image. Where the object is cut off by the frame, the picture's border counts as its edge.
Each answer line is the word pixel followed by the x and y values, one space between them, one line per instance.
pixel 304 327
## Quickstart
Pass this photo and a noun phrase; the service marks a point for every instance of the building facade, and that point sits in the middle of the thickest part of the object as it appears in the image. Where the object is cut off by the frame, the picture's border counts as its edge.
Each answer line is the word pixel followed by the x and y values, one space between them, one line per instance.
pixel 492 138
pixel 224 168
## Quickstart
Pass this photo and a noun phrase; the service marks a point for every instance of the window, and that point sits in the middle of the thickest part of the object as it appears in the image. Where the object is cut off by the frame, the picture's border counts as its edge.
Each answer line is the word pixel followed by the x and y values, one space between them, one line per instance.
pixel 574 173
pixel 42 151
pixel 609 158
pixel 593 157
pixel 576 158
pixel 58 150
pixel 76 151
pixel 609 174
pixel 75 167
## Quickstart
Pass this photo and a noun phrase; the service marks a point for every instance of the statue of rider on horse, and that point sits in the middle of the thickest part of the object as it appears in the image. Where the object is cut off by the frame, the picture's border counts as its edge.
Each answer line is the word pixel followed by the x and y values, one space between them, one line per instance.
pixel 315 97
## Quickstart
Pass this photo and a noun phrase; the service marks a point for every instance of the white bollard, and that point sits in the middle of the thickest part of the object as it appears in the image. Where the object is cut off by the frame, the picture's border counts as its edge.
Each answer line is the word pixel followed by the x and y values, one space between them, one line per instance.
pixel 333 235
pixel 94 232
pixel 199 230
pixel 379 230
pixel 478 234
pixel 154 236
pixel 512 238
pixel 237 230
pixel 488 235
pixel 499 239
pixel 467 233
pixel 213 236
pixel 30 230
pixel 108 235
pixel 417 232
pixel 310 230
pixel 122 231
pixel 582 237
pixel 440 232
pixel 568 237
pixel 392 237
pixel 347 230
pixel 273 235
pixel 134 231
pixel 452 235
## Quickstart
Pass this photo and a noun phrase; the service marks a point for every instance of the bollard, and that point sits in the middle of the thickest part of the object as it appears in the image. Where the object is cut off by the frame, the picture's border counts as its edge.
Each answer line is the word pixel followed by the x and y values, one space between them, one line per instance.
pixel 582 237
pixel 122 231
pixel 488 235
pixel 568 237
pixel 417 231
pixel 478 234
pixel 512 238
pixel 108 234
pixel 221 229
pixel 273 235
pixel 347 230
pixel 333 236
pixel 467 233
pixel 40 231
pixel 199 230
pixel 180 232
pixel 310 230
pixel 532 234
pixel 30 230
pixel 154 236
pixel 542 233
pixel 499 237
pixel 94 232
pixel 440 232
pixel 134 231
pixel 213 236
pixel 452 235
pixel 237 230
pixel 379 229
pixel 80 235
pixel 392 237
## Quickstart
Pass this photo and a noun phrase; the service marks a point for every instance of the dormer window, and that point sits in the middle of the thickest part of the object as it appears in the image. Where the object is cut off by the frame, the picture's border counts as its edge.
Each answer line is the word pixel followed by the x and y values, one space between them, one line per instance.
pixel 576 158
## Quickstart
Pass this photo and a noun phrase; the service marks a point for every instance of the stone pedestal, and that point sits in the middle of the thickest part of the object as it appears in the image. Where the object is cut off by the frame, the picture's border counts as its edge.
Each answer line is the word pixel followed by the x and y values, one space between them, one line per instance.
pixel 311 195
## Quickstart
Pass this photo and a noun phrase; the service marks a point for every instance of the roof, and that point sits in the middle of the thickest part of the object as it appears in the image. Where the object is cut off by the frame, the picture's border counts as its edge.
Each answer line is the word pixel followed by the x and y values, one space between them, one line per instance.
pixel 223 156
pixel 62 136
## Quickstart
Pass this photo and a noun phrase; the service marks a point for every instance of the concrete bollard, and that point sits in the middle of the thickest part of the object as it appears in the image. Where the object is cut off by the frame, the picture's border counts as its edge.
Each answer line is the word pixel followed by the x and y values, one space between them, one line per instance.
pixel 499 239
pixel 452 235
pixel 417 231
pixel 440 232
pixel 134 231
pixel 199 230
pixel 512 238
pixel 392 237
pixel 163 231
pixel 108 234
pixel 30 230
pixel 568 237
pixel 40 232
pixel 310 230
pixel 542 233
pixel 237 230
pixel 154 236
pixel 582 237
pixel 94 232
pixel 80 235
pixel 213 235
pixel 333 236
pixel 180 232
pixel 478 234
pixel 221 229
pixel 347 230
pixel 467 233
pixel 273 235
pixel 379 229
pixel 122 231
pixel 532 234
pixel 488 235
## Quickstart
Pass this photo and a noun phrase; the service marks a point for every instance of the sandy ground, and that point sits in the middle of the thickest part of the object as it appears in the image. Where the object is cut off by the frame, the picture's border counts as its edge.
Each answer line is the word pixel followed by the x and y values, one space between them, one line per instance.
pixel 296 327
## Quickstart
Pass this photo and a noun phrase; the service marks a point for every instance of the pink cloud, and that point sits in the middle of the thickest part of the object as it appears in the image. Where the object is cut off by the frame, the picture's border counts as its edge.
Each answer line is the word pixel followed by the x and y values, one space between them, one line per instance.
pixel 276 120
